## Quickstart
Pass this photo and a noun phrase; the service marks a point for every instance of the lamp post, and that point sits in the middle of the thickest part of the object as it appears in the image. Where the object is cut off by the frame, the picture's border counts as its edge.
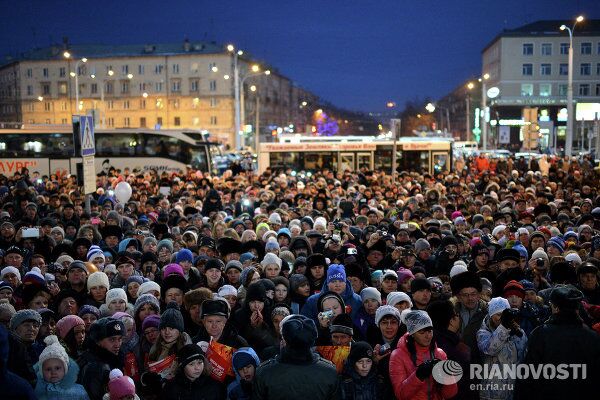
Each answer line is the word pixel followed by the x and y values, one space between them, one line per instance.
pixel 75 74
pixel 470 86
pixel 570 111
pixel 255 72
pixel 236 93
pixel 483 123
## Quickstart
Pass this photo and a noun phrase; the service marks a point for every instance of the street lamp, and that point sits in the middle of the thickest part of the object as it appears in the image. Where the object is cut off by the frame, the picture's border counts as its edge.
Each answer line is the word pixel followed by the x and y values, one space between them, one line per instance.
pixel 252 88
pixel 68 56
pixel 570 111
pixel 470 87
pixel 483 124
pixel 236 90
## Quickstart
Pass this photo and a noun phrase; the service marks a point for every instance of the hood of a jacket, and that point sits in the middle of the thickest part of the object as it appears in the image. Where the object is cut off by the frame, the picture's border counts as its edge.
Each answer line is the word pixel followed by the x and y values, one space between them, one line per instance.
pixel 67 382
pixel 347 295
pixel 244 350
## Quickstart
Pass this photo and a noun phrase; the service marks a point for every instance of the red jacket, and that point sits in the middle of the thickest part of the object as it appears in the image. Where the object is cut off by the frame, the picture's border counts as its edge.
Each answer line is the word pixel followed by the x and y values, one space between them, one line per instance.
pixel 404 379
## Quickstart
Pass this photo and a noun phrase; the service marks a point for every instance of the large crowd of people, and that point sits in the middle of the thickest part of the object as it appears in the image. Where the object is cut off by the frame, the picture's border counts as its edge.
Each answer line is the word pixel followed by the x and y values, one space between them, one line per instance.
pixel 335 285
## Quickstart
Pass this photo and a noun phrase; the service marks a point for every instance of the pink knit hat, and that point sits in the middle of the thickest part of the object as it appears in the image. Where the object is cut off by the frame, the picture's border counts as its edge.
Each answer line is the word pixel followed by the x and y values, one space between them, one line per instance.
pixel 119 385
pixel 173 269
pixel 65 324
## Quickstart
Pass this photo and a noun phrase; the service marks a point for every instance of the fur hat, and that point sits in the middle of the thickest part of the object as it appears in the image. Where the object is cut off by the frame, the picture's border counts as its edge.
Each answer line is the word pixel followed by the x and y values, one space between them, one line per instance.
pixel 55 350
pixel 342 324
pixel 106 327
pixel 196 297
pixel 464 280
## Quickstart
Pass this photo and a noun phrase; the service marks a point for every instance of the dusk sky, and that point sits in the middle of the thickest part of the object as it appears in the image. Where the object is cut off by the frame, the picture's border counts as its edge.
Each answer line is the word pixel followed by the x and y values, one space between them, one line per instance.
pixel 356 54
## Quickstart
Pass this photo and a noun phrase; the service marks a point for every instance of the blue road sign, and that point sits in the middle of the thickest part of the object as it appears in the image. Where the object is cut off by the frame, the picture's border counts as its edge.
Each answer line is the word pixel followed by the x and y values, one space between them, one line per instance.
pixel 86 131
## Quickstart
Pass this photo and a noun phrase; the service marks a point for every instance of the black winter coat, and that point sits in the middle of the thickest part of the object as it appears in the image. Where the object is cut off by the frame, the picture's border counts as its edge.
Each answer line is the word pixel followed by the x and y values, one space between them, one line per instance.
pixel 181 388
pixel 95 365
pixel 355 387
pixel 563 339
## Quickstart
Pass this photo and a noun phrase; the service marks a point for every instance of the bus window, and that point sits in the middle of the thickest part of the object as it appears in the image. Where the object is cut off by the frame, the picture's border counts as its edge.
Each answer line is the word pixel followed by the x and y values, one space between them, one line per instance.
pixel 413 160
pixel 199 159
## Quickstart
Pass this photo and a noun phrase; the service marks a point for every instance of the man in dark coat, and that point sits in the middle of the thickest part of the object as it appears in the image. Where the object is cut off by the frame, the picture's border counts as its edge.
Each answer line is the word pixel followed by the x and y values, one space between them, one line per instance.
pixel 563 339
pixel 298 372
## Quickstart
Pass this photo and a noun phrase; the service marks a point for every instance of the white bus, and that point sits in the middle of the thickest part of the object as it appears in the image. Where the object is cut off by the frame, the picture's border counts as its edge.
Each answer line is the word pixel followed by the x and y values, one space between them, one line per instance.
pixel 340 153
pixel 48 149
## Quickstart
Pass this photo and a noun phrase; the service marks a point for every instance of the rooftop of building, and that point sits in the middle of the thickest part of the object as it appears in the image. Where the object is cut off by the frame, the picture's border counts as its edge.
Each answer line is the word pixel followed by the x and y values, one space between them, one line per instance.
pixel 549 28
pixel 55 52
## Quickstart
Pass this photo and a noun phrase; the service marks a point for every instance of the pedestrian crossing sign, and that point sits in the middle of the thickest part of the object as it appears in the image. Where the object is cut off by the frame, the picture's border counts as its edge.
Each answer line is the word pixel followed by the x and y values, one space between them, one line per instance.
pixel 86 131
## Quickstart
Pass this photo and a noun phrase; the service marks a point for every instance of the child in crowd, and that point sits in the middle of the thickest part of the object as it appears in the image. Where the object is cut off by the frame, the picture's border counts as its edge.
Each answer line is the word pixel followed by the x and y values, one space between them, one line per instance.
pixel 245 361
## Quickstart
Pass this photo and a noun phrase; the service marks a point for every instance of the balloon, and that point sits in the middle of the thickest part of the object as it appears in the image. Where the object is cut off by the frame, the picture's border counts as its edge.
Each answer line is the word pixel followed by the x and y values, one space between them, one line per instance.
pixel 123 192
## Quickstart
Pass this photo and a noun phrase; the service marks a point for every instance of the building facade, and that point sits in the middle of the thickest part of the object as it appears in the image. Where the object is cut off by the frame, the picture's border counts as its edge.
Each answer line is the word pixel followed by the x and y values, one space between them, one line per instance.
pixel 529 68
pixel 188 85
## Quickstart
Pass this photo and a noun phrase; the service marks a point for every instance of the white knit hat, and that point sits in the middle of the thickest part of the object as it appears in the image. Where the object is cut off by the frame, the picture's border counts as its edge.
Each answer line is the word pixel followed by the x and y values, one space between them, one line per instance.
pixel 394 298
pixel 98 279
pixel 370 293
pixel 227 290
pixel 271 258
pixel 115 294
pixel 146 287
pixel 65 258
pixel 459 267
pixel 573 257
pixel 415 320
pixel 54 350
pixel 497 305
pixel 10 270
pixel 95 252
pixel 385 311
pixel 498 229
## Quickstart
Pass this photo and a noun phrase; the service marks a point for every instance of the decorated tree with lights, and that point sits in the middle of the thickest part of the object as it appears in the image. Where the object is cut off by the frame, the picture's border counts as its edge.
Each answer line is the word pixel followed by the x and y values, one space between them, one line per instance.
pixel 326 126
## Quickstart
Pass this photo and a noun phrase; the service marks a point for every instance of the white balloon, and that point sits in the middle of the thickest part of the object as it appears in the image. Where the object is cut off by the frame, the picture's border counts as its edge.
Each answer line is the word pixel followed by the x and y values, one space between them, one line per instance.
pixel 123 192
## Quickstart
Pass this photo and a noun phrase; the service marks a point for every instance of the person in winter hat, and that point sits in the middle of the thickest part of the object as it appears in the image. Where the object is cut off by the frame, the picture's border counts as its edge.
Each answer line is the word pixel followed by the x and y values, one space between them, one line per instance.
pixel 411 364
pixel 57 374
pixel 116 300
pixel 192 380
pixel 244 361
pixel 120 387
pixel 359 378
pixel 501 342
pixel 97 286
pixel 71 330
pixel 13 386
pixel 371 299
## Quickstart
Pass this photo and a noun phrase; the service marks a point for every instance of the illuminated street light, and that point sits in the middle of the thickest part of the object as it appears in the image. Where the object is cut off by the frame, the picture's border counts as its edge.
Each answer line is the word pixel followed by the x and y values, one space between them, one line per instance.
pixel 66 54
pixel 253 88
pixel 230 47
pixel 430 107
pixel 470 85
pixel 129 76
pixel 267 72
pixel 40 98
pixel 93 76
pixel 226 77
pixel 215 69
pixel 72 74
pixel 304 104
pixel 145 95
pixel 111 72
pixel 255 68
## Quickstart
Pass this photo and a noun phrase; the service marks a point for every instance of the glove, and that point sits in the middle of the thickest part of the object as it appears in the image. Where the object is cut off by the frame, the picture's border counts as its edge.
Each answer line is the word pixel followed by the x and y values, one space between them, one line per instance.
pixel 424 370
pixel 507 318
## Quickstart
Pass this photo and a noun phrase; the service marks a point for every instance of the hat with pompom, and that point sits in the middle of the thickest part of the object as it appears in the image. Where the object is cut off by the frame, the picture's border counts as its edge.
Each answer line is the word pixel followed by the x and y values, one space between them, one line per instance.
pixel 54 350
pixel 120 385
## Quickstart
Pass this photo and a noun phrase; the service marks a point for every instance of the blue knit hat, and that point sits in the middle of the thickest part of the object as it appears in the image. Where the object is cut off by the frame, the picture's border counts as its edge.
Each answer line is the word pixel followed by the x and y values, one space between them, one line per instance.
pixel 336 272
pixel 521 249
pixel 556 242
pixel 184 255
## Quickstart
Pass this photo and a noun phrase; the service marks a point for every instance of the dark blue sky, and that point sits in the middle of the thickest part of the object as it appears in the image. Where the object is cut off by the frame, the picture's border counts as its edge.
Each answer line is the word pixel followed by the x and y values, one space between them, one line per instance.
pixel 356 54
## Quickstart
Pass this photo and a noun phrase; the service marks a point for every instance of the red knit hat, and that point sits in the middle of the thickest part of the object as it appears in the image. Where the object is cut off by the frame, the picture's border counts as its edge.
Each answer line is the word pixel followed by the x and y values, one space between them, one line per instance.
pixel 119 385
pixel 513 288
pixel 66 323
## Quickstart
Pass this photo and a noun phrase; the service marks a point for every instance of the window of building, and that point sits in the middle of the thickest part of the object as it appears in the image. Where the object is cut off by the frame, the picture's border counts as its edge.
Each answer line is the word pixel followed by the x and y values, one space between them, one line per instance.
pixel 159 86
pixel 527 49
pixel 528 69
pixel 597 89
pixel 126 122
pixel 142 104
pixel 110 121
pixel 142 87
pixel 177 121
pixel 141 69
pixel 47 106
pixel 63 121
pixel 586 48
pixel 598 48
pixel 30 72
pixel 81 88
pixel 562 89
pixel 159 120
pixel 213 120
pixel 546 69
pixel 598 69
pixel 63 106
pixel 30 107
pixel 213 86
pixel 81 70
pixel 158 69
pixel 563 69
pixel 108 69
pixel 214 102
pixel 126 105
pixel 194 85
pixel 143 122
pixel 94 88
pixel 29 90
pixel 211 66
pixel 45 72
pixel 564 48
pixel 176 85
pixel 546 49
pixel 125 87
pixel 125 69
pixel 62 72
pixel 110 104
pixel 45 89
pixel 526 89
pixel 584 89
pixel 585 69
pixel 175 68
pixel 109 88
pixel 194 68
pixel 62 88
pixel 545 89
